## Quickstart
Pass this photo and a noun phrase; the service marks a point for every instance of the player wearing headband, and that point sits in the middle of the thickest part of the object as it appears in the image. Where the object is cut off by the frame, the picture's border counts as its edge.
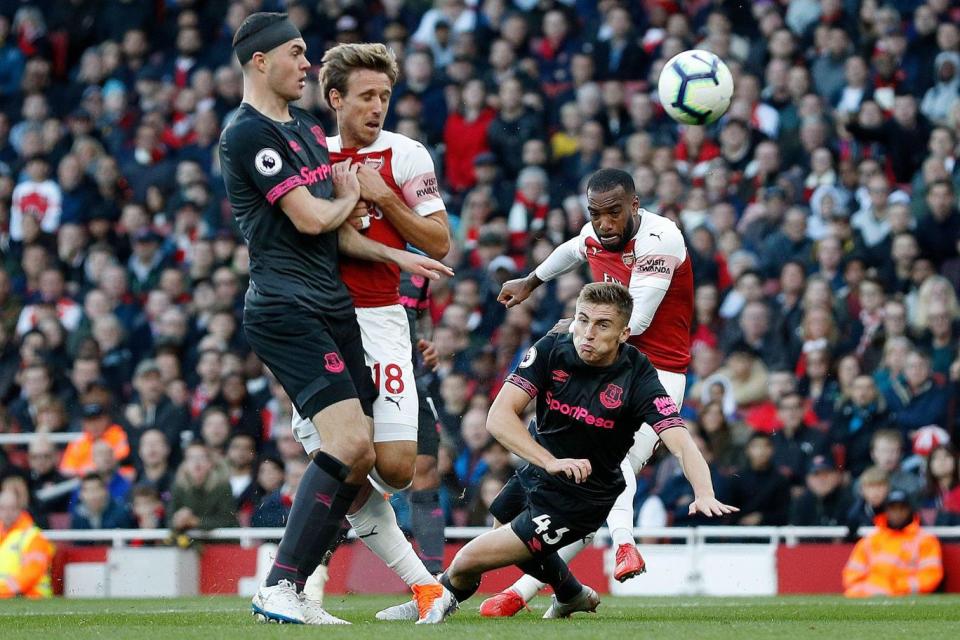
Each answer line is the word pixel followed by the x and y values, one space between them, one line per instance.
pixel 290 204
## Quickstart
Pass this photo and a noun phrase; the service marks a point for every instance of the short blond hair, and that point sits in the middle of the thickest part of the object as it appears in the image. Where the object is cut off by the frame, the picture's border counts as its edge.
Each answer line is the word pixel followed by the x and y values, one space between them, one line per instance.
pixel 874 475
pixel 608 293
pixel 340 61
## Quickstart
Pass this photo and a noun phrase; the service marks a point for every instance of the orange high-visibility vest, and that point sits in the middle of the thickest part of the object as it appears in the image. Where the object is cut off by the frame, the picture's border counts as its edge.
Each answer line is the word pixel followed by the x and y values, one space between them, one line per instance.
pixel 894 563
pixel 78 458
pixel 25 558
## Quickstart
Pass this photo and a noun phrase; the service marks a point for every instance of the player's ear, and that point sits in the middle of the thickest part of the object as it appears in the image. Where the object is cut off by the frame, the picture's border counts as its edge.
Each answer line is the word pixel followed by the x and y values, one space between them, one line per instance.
pixel 336 100
pixel 624 335
pixel 635 205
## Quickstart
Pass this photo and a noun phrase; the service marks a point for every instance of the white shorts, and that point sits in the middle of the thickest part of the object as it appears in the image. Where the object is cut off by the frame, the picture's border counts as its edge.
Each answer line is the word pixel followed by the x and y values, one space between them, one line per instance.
pixel 387 349
pixel 645 440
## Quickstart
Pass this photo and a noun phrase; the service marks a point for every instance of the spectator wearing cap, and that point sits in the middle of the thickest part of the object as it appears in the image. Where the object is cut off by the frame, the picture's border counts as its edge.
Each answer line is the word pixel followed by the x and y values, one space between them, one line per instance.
pixel 762 492
pixel 825 502
pixel 146 262
pixel 152 409
pixel 97 426
pixel 898 559
pixel 940 98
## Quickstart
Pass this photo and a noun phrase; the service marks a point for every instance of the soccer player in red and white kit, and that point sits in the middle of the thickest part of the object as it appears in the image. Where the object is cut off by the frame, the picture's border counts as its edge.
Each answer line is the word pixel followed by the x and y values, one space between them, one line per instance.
pixel 645 252
pixel 401 204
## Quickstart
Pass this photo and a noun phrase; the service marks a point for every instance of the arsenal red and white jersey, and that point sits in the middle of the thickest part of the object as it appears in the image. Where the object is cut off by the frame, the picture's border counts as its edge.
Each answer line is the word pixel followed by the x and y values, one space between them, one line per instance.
pixel 407 168
pixel 656 256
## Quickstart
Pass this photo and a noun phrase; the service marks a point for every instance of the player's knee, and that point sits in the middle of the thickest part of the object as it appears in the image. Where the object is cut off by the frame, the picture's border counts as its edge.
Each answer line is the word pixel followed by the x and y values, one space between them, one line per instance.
pixel 394 474
pixel 359 453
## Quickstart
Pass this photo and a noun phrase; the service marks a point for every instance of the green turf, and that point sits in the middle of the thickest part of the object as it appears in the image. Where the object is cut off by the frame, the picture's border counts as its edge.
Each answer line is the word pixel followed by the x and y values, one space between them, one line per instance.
pixel 783 618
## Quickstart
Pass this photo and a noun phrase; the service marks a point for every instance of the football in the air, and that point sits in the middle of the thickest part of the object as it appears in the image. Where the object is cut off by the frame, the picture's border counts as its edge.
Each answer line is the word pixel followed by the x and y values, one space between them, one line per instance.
pixel 695 87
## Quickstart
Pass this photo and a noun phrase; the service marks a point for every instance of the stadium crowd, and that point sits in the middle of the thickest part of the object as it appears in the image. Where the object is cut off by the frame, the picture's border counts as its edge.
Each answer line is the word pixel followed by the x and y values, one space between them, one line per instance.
pixel 821 214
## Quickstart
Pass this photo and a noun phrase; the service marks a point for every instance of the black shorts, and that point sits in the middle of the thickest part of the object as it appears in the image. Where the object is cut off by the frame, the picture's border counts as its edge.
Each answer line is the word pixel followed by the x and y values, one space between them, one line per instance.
pixel 318 360
pixel 428 424
pixel 542 515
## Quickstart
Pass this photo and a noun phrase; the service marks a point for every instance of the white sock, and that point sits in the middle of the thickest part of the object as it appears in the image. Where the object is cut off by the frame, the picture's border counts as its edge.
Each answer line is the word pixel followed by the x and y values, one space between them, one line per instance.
pixel 528 586
pixel 376 525
pixel 620 520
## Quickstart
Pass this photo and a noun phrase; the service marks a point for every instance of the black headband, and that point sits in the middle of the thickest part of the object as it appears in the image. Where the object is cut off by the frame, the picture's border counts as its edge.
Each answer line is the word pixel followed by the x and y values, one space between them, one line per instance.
pixel 273 35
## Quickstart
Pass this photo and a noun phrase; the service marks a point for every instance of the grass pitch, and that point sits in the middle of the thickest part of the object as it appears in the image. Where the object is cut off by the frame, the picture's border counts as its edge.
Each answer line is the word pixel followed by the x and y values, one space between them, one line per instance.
pixel 782 618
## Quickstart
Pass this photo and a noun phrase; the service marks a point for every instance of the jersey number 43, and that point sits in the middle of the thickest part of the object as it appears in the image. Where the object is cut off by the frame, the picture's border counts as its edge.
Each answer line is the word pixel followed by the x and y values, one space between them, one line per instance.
pixel 543 528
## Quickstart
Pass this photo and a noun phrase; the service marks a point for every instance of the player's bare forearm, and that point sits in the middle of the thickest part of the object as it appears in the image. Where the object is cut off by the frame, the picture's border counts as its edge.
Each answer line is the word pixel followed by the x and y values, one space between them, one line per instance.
pixel 430 234
pixel 504 424
pixel 314 216
pixel 354 244
pixel 695 468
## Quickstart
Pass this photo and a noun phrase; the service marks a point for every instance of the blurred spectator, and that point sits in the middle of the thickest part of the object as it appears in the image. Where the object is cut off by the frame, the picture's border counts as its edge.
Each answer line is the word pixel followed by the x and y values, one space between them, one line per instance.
pixel 886 452
pixel 916 399
pixel 241 454
pixel 152 409
pixel 96 509
pixel 762 492
pixel 855 422
pixel 147 508
pixel 153 463
pixel 942 491
pixel 201 494
pixel 795 445
pixel 872 489
pixel 49 489
pixel 825 502
pixel 25 554
pixel 269 478
pixel 898 559
pixel 275 507
pixel 97 427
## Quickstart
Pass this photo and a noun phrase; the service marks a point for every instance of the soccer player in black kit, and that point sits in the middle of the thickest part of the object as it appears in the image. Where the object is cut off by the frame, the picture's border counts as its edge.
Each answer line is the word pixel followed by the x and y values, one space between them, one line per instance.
pixel 593 391
pixel 290 205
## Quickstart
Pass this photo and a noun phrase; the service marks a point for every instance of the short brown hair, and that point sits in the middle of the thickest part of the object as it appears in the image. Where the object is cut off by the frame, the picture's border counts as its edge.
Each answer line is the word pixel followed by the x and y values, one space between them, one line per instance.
pixel 609 293
pixel 341 60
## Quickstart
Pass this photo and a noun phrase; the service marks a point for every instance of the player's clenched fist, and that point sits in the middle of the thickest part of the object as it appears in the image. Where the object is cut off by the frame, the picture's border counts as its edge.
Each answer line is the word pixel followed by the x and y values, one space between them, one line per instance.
pixel 514 292
pixel 576 469
pixel 359 218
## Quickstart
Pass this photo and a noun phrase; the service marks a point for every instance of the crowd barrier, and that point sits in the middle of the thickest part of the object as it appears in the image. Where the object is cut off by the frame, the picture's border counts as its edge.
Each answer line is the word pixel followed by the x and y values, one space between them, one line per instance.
pixel 720 560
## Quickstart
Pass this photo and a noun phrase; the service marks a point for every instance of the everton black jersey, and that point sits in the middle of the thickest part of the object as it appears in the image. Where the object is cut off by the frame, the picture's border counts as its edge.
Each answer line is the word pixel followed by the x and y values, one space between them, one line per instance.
pixel 262 160
pixel 415 298
pixel 592 412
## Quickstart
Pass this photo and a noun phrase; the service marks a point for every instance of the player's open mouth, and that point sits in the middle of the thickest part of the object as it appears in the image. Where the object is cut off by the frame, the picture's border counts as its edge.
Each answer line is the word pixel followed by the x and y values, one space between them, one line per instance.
pixel 372 124
pixel 609 240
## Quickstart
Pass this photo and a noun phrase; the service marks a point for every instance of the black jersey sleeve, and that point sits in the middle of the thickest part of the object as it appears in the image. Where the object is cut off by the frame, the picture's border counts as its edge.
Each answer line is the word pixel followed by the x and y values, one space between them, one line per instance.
pixel 261 153
pixel 533 373
pixel 654 406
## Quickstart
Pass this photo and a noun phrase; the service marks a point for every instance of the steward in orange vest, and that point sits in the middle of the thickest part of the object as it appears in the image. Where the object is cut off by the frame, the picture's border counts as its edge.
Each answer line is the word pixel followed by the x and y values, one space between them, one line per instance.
pixel 25 555
pixel 897 559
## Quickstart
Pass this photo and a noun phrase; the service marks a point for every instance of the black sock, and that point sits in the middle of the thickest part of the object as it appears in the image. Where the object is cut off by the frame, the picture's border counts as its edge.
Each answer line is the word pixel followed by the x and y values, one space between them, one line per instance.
pixel 329 533
pixel 310 510
pixel 426 517
pixel 459 594
pixel 555 572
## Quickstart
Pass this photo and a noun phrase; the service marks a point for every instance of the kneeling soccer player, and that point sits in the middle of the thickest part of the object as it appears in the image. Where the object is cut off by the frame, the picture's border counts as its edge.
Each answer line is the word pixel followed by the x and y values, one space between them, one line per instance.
pixel 593 392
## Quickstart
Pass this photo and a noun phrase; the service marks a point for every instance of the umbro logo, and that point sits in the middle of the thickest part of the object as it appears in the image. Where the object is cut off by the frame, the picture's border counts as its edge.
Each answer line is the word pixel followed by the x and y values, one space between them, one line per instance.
pixel 657 235
pixel 294 145
pixel 560 376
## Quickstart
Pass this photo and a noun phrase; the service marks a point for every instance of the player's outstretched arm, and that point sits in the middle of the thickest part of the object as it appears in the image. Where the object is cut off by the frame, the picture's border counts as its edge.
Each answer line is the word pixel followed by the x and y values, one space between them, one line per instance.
pixel 314 216
pixel 504 423
pixel 564 258
pixel 696 471
pixel 429 233
pixel 352 243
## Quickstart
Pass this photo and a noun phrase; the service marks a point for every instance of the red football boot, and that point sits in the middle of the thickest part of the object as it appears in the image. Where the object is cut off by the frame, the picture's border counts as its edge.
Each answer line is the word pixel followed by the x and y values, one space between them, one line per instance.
pixel 503 605
pixel 629 563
